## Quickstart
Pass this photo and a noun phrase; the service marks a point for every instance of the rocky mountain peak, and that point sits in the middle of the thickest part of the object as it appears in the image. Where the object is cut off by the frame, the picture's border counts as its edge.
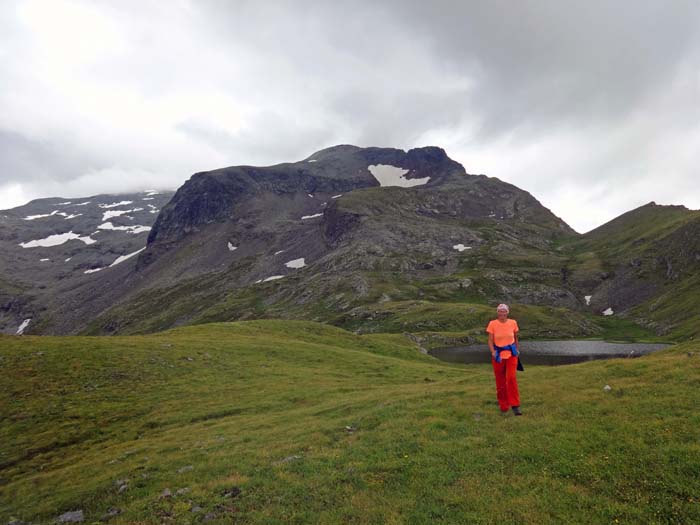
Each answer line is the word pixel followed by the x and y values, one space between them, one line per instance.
pixel 219 195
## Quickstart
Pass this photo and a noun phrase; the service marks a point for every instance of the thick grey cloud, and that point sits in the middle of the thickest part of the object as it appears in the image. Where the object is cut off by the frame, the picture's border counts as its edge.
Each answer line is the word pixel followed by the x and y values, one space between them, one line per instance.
pixel 551 61
pixel 591 106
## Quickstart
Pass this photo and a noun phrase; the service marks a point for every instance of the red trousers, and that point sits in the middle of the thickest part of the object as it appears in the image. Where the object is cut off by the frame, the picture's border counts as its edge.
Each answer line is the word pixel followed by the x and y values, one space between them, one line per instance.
pixel 506 383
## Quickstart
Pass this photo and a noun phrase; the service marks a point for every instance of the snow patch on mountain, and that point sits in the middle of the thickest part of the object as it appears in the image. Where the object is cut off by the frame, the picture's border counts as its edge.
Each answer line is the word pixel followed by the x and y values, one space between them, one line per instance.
pixel 129 229
pixel 55 212
pixel 116 213
pixel 34 217
pixel 123 258
pixel 295 263
pixel 388 175
pixel 115 204
pixel 23 326
pixel 56 240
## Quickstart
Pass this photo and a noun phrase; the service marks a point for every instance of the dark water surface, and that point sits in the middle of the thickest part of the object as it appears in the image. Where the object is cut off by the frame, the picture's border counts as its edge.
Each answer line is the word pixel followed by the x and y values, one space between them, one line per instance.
pixel 550 352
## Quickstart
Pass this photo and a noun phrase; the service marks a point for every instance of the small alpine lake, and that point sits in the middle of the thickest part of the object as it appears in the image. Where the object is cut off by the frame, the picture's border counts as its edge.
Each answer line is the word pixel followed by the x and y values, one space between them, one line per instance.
pixel 550 352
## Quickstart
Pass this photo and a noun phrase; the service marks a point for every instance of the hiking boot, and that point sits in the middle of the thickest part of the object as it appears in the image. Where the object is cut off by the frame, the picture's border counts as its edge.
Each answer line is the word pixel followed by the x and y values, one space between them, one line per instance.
pixel 517 412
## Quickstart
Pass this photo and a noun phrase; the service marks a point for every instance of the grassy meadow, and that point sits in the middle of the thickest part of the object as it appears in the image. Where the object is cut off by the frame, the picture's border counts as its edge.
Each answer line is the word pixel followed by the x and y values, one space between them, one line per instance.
pixel 281 422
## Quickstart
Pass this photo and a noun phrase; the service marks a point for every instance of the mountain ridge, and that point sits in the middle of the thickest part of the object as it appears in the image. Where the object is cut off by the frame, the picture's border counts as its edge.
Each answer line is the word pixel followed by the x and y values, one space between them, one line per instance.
pixel 349 231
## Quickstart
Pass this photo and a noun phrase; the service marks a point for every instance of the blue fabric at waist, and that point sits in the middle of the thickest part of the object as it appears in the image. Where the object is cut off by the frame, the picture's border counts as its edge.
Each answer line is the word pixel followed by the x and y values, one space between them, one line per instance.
pixel 512 347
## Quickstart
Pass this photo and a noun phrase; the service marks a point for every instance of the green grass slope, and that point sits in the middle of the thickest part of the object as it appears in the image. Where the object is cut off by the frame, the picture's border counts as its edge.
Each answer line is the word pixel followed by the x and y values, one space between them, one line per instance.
pixel 633 235
pixel 299 422
pixel 676 309
pixel 636 229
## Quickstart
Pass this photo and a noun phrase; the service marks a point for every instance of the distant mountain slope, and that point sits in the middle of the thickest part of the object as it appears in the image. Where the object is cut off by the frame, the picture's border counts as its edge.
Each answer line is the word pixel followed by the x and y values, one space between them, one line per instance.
pixel 50 245
pixel 639 261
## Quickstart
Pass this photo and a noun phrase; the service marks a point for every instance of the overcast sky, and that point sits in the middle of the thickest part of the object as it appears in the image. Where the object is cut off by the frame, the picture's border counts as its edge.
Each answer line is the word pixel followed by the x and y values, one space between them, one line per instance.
pixel 591 106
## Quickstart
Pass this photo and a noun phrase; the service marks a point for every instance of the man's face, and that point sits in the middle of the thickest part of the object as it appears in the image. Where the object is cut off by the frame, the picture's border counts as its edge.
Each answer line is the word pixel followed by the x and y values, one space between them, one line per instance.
pixel 502 315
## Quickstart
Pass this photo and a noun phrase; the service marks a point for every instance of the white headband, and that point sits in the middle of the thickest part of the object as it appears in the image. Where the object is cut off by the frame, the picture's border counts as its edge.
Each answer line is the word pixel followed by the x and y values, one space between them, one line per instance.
pixel 502 307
